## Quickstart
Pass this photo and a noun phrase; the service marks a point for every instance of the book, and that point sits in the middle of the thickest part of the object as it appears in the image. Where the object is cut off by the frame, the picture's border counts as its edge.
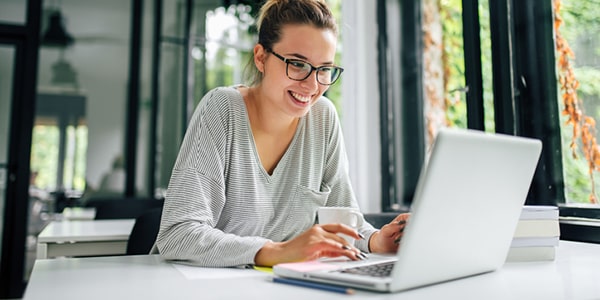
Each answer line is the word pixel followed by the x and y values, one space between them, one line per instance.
pixel 544 241
pixel 537 235
pixel 524 254
pixel 532 212
pixel 537 228
pixel 314 285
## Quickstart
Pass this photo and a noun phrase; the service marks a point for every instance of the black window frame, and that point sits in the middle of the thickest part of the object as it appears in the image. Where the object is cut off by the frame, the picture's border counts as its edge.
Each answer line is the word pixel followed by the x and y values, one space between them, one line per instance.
pixel 25 39
pixel 525 98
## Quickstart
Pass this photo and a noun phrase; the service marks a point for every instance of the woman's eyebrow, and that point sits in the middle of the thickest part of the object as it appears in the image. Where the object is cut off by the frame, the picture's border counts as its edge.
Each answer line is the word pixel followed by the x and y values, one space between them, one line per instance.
pixel 302 57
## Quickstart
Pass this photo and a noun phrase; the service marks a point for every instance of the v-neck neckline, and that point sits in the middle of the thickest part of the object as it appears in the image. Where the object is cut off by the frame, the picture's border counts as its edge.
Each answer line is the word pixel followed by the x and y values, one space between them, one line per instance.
pixel 284 158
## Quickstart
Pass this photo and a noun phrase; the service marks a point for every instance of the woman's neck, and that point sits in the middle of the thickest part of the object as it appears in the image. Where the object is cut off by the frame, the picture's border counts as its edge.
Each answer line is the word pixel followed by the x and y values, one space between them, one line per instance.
pixel 264 118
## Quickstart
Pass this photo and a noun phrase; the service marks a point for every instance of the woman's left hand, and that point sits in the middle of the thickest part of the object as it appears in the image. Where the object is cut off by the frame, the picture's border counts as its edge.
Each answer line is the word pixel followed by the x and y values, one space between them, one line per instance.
pixel 388 238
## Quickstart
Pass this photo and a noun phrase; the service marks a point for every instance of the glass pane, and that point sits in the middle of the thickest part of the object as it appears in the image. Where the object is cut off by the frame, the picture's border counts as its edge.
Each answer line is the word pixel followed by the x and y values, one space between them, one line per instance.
pixel 169 126
pixel 82 94
pixel 334 93
pixel 229 42
pixel 220 45
pixel 486 66
pixel 145 123
pixel 454 86
pixel 578 57
pixel 13 11
pixel 7 54
pixel 443 66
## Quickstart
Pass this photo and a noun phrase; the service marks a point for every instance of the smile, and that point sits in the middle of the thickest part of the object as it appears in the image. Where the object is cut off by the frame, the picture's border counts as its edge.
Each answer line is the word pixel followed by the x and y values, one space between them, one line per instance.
pixel 304 99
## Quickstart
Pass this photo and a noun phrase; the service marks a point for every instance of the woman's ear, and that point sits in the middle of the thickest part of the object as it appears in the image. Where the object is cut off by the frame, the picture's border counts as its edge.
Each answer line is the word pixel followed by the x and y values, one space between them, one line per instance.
pixel 259 57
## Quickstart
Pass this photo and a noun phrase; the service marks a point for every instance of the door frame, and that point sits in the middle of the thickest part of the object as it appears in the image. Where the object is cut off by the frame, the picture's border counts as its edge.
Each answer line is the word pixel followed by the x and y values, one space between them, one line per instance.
pixel 25 39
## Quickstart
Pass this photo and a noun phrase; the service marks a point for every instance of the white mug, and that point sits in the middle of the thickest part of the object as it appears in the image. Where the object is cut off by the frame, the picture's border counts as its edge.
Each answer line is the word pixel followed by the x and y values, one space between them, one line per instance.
pixel 345 215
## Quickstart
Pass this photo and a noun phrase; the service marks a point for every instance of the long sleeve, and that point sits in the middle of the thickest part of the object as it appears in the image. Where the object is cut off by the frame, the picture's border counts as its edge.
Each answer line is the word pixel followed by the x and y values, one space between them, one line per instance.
pixel 196 195
pixel 221 206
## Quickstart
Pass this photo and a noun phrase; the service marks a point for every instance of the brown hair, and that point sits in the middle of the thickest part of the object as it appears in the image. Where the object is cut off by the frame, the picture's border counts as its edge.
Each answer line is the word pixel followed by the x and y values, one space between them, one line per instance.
pixel 274 14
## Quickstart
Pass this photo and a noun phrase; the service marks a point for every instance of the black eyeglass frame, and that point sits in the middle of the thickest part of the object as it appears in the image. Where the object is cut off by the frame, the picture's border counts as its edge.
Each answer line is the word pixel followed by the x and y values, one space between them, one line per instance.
pixel 288 61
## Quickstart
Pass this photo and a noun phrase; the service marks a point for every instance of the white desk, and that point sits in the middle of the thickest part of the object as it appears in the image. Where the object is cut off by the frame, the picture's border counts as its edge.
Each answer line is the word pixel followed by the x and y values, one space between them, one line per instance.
pixel 574 275
pixel 84 238
pixel 79 213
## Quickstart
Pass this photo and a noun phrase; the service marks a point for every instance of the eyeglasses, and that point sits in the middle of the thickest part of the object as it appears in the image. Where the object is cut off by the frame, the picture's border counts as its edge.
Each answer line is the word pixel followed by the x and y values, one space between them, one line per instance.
pixel 299 70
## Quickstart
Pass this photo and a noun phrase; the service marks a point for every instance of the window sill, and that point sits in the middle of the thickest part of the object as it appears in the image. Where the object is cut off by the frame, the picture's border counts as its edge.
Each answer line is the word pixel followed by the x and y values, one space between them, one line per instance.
pixel 580 229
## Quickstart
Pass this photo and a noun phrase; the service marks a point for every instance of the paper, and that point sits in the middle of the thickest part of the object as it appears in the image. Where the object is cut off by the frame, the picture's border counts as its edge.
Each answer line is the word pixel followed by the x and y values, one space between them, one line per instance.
pixel 192 272
pixel 264 269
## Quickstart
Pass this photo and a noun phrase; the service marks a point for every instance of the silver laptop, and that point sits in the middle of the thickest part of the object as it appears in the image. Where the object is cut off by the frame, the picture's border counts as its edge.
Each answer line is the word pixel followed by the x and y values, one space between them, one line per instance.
pixel 464 213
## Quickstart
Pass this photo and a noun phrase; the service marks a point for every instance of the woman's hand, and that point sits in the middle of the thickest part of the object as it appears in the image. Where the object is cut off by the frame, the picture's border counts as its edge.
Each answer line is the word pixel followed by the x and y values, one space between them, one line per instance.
pixel 388 238
pixel 318 241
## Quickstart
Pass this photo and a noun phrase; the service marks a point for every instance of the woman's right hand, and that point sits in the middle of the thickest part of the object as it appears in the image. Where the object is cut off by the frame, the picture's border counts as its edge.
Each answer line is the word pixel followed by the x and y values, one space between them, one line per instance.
pixel 320 240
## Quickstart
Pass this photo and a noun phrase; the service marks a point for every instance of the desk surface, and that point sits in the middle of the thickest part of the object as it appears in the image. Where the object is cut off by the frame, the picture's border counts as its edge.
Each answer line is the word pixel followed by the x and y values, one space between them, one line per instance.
pixel 575 274
pixel 79 213
pixel 86 230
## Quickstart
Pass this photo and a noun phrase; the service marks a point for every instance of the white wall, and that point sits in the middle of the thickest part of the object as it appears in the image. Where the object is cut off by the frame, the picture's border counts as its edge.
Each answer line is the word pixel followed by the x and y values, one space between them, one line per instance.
pixel 360 101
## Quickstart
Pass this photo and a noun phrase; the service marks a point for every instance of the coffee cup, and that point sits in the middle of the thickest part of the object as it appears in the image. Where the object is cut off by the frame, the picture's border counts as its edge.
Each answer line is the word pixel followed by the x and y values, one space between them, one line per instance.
pixel 344 215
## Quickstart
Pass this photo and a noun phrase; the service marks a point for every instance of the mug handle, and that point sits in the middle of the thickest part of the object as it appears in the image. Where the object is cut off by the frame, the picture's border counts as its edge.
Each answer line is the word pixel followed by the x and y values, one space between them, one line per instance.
pixel 359 218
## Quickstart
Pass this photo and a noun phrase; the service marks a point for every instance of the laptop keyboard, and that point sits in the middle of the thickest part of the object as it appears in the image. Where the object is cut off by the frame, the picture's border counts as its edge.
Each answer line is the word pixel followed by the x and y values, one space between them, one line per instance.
pixel 376 270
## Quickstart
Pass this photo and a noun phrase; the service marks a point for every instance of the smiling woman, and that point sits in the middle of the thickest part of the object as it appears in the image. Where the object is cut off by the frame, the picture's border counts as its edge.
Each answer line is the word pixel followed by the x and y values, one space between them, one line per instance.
pixel 255 156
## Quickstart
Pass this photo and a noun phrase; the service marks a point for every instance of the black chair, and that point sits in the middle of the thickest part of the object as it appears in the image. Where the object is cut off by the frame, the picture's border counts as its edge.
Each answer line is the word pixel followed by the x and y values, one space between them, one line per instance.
pixel 122 208
pixel 144 232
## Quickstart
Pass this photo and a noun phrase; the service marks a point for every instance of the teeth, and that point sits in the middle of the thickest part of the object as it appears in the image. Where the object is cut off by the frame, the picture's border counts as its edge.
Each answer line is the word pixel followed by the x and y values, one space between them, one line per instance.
pixel 300 97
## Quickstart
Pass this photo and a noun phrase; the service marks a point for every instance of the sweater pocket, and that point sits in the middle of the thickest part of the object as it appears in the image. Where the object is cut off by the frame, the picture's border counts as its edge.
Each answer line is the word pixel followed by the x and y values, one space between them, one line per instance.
pixel 302 212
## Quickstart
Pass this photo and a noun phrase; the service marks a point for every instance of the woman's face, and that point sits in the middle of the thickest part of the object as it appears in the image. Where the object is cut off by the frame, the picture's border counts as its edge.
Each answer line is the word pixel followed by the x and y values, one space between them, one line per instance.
pixel 299 42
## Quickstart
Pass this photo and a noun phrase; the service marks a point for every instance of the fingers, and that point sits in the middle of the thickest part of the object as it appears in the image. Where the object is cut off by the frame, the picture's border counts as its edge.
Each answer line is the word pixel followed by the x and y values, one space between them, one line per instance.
pixel 336 245
pixel 387 239
pixel 402 217
pixel 400 231
pixel 399 223
pixel 347 251
pixel 316 242
pixel 354 253
pixel 341 228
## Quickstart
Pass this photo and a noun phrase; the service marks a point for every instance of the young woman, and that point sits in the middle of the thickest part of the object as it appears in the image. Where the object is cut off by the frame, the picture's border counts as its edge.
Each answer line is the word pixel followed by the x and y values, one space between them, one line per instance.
pixel 257 161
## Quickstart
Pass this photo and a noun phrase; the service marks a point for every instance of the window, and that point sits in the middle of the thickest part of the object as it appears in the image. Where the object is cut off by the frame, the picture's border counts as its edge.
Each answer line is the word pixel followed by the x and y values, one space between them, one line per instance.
pixel 510 49
pixel 59 143
pixel 472 46
pixel 578 63
pixel 505 94
pixel 81 94
pixel 226 46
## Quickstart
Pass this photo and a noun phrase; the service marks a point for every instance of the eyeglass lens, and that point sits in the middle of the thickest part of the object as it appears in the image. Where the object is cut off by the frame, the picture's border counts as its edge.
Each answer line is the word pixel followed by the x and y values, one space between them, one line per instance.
pixel 299 70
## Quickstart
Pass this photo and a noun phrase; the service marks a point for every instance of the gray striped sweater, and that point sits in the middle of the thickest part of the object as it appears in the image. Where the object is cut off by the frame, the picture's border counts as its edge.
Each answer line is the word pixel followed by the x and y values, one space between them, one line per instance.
pixel 221 205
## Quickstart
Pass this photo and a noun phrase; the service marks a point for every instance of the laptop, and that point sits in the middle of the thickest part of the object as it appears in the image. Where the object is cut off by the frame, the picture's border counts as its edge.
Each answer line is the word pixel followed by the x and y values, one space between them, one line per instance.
pixel 466 206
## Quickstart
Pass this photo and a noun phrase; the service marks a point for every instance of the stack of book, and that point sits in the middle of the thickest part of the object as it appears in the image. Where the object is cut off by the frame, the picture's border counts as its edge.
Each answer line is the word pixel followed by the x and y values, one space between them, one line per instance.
pixel 536 236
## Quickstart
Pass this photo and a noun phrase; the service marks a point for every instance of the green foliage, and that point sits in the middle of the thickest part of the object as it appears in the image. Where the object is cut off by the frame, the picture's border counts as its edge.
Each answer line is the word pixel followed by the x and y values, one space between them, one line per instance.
pixel 576 176
pixel 44 157
pixel 334 93
pixel 452 27
pixel 589 77
pixel 456 111
pixel 81 136
pixel 486 66
pixel 581 29
pixel 44 154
